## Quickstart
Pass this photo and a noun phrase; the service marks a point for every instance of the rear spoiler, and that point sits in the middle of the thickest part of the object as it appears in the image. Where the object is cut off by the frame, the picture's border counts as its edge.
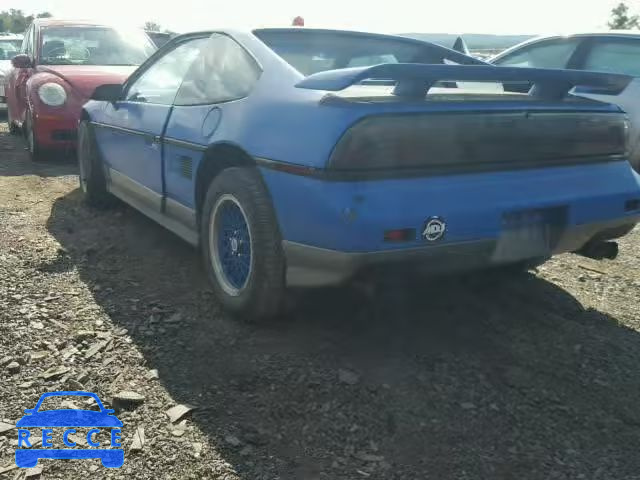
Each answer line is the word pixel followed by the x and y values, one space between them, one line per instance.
pixel 415 79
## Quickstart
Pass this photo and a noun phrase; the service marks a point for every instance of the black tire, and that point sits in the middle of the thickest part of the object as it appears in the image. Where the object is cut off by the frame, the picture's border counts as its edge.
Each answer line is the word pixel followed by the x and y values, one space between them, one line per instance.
pixel 13 128
pixel 35 151
pixel 90 169
pixel 262 296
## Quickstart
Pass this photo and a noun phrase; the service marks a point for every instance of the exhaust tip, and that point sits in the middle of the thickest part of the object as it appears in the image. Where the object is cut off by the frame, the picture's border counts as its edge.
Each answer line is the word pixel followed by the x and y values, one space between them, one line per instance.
pixel 599 250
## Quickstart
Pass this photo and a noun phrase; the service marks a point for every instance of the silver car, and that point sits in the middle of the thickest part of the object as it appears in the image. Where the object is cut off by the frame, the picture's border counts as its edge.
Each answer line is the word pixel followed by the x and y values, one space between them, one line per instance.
pixel 9 47
pixel 613 52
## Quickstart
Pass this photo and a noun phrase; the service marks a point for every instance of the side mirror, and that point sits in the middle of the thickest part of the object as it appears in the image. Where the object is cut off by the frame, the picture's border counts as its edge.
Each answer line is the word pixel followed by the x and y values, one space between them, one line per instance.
pixel 107 93
pixel 22 61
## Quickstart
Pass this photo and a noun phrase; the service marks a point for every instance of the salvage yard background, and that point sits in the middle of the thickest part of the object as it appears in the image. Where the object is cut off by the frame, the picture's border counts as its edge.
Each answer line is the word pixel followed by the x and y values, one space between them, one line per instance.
pixel 481 376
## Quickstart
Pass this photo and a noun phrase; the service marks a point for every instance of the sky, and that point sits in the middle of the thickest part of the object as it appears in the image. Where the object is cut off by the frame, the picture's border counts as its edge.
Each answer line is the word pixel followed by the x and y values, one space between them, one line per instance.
pixel 392 16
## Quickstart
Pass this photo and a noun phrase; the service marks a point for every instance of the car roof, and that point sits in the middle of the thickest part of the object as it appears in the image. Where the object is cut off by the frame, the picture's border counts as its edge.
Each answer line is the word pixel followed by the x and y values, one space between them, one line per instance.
pixel 596 34
pixel 54 22
pixel 608 33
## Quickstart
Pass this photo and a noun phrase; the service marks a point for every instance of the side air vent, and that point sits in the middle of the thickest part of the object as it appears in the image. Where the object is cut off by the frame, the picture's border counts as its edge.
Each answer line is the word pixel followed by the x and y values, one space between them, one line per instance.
pixel 186 167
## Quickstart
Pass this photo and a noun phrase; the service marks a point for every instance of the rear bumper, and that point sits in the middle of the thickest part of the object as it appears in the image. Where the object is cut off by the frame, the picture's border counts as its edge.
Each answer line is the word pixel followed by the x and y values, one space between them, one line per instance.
pixel 333 228
pixel 353 216
pixel 309 266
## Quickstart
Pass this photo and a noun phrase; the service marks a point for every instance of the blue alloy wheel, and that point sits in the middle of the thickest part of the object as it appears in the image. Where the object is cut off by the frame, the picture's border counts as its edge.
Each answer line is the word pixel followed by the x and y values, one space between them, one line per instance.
pixel 230 245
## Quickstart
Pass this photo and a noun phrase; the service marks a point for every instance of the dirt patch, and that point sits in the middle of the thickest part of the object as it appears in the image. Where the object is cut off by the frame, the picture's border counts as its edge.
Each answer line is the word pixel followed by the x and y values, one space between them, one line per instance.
pixel 476 376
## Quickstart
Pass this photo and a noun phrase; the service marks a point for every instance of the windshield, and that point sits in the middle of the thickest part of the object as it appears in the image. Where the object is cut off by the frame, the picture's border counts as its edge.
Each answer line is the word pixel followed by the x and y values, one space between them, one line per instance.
pixel 94 46
pixel 9 48
pixel 312 52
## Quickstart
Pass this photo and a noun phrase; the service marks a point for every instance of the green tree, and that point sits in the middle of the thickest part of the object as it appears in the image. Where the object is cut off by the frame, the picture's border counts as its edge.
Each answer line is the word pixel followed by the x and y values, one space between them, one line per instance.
pixel 621 19
pixel 15 20
pixel 19 24
pixel 152 27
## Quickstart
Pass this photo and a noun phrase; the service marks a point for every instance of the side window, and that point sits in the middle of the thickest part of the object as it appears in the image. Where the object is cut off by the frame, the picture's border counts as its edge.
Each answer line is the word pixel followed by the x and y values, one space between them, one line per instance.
pixel 161 81
pixel 223 72
pixel 614 56
pixel 549 54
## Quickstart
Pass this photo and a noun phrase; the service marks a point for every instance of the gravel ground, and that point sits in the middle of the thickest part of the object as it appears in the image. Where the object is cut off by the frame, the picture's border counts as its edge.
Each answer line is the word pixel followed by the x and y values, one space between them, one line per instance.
pixel 534 376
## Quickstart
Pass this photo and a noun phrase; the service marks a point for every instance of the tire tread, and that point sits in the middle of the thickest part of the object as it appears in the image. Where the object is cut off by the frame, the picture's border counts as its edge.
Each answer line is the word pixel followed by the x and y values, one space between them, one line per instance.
pixel 263 297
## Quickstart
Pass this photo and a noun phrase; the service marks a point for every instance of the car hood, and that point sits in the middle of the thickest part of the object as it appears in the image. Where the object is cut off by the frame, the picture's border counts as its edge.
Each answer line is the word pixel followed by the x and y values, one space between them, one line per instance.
pixel 5 67
pixel 69 418
pixel 85 78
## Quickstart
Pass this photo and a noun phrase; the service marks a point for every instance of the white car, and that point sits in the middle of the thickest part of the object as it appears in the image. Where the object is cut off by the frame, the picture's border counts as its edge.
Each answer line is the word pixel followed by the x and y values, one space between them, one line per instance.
pixel 611 52
pixel 9 47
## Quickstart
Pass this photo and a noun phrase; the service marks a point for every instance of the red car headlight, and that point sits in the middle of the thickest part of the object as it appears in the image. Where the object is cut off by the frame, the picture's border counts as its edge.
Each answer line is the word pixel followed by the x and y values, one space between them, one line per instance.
pixel 52 94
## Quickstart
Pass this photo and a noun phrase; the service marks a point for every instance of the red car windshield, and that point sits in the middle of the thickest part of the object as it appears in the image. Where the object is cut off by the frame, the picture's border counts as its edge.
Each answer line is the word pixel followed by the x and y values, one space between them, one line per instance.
pixel 93 46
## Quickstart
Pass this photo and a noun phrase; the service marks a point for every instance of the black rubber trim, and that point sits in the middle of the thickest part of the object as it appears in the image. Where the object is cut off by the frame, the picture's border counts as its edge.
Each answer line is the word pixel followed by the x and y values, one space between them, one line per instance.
pixel 390 173
pixel 149 136
pixel 379 174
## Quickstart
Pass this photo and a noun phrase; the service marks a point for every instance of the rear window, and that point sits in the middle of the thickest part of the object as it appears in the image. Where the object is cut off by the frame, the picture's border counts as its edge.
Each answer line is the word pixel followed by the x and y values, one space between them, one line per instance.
pixel 615 56
pixel 312 52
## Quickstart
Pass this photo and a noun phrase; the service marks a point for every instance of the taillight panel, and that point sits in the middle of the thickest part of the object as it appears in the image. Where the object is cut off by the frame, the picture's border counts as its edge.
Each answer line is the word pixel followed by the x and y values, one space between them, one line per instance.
pixel 468 141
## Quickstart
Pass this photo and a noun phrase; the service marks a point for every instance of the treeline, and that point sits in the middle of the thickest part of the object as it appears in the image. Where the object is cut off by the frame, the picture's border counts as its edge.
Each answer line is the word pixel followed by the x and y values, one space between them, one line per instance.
pixel 15 21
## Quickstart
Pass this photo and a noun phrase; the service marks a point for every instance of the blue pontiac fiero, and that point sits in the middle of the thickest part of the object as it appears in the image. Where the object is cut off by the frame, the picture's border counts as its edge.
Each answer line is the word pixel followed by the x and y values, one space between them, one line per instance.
pixel 297 157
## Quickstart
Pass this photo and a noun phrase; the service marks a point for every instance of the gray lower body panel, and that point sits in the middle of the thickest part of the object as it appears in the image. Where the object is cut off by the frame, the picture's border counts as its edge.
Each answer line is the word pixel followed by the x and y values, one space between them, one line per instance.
pixel 309 266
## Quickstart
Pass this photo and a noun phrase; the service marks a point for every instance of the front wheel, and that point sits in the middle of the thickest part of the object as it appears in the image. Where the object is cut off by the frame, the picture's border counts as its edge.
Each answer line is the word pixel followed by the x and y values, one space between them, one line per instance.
pixel 13 128
pixel 90 169
pixel 241 245
pixel 35 151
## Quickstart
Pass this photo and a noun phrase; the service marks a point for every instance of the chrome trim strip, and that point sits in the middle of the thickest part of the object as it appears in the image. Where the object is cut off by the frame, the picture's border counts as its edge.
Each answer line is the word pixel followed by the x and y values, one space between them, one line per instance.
pixel 185 144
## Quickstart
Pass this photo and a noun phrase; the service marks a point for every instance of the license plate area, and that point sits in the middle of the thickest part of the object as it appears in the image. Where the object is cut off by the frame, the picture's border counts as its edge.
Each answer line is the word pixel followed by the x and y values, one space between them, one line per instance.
pixel 529 233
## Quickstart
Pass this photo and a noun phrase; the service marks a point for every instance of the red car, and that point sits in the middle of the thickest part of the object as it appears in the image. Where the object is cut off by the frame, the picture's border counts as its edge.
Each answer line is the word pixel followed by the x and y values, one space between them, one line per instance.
pixel 59 66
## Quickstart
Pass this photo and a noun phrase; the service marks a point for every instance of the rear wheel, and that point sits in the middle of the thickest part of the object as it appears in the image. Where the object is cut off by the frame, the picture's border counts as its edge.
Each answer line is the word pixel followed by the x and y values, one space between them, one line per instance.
pixel 241 245
pixel 91 171
pixel 35 151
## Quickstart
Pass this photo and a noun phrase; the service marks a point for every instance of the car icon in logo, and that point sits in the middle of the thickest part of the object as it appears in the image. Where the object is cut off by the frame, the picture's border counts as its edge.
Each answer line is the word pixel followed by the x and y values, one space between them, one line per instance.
pixel 434 229
pixel 67 419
